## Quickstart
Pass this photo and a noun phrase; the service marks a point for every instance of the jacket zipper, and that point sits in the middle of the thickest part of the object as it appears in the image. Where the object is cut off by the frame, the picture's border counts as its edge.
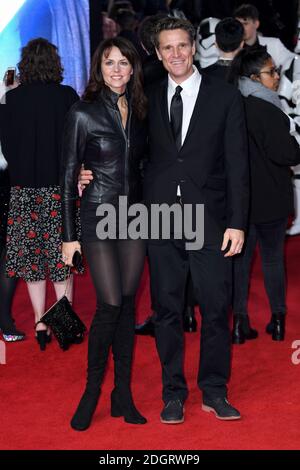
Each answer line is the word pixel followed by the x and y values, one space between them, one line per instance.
pixel 127 142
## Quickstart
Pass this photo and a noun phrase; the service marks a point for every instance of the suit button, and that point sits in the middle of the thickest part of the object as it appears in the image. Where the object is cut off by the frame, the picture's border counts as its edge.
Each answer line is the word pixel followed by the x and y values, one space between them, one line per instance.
pixel 182 181
pixel 180 160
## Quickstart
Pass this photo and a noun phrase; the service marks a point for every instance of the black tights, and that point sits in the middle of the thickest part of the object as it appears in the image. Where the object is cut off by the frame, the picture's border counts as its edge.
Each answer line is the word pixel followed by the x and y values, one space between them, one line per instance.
pixel 116 267
pixel 7 290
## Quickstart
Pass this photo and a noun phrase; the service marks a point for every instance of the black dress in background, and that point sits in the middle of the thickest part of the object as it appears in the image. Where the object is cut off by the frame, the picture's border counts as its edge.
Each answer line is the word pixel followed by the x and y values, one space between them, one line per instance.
pixel 31 134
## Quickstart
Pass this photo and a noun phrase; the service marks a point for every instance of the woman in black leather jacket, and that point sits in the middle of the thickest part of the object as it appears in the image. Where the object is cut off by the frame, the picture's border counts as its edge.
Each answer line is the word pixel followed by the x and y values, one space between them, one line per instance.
pixel 106 132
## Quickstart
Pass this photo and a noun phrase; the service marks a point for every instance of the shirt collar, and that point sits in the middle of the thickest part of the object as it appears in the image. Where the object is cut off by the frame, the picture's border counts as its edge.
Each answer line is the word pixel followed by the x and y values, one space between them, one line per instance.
pixel 190 86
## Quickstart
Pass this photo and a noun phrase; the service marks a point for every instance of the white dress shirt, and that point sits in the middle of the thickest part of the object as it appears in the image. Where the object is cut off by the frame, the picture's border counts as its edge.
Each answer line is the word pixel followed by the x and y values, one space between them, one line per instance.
pixel 190 90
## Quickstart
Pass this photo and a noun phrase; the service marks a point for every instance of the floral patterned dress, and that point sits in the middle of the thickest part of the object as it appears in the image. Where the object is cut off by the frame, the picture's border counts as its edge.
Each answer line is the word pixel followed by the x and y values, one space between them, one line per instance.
pixel 34 229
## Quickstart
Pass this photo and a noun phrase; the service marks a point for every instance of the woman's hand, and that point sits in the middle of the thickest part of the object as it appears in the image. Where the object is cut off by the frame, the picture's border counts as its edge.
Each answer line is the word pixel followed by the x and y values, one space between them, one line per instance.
pixel 68 250
pixel 84 178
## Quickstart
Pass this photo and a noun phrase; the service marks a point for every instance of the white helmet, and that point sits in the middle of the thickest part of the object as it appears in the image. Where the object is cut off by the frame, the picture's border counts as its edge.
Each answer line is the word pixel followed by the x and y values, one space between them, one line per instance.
pixel 207 53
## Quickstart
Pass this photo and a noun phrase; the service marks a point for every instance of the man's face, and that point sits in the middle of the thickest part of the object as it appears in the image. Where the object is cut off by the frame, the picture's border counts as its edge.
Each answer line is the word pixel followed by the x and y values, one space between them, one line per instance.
pixel 250 28
pixel 176 52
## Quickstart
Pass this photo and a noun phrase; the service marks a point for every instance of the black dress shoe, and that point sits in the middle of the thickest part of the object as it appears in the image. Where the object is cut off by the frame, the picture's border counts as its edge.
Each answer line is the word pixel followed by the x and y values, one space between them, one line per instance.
pixel 276 327
pixel 146 328
pixel 221 407
pixel 189 320
pixel 173 412
pixel 242 329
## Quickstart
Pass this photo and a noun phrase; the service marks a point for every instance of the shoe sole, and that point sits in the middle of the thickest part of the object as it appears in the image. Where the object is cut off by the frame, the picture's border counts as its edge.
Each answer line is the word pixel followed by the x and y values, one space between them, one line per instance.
pixel 177 421
pixel 13 338
pixel 238 341
pixel 229 418
pixel 275 337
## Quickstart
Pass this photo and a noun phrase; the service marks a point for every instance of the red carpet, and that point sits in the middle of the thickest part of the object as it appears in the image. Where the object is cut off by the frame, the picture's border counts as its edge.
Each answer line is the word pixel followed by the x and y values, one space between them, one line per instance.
pixel 40 390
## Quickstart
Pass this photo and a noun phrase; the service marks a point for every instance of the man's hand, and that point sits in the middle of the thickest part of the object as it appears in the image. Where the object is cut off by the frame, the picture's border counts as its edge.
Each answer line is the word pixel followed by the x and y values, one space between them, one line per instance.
pixel 236 237
pixel 84 178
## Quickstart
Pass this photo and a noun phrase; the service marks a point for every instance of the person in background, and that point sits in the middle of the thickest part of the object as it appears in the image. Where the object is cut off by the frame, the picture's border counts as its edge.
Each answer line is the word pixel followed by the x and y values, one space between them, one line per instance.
pixel 248 15
pixel 229 34
pixel 7 285
pixel 153 70
pixel 115 5
pixel 287 61
pixel 294 229
pixel 272 150
pixel 127 22
pixel 229 40
pixel 31 143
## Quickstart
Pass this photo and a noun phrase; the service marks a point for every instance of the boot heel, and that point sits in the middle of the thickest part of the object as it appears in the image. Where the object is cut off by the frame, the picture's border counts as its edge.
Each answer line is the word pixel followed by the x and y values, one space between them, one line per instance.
pixel 238 336
pixel 276 327
pixel 127 410
pixel 278 335
pixel 43 339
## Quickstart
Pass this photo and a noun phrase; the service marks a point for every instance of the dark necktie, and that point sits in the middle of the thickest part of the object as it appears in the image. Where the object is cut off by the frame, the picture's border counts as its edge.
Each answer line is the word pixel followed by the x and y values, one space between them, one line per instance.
pixel 176 111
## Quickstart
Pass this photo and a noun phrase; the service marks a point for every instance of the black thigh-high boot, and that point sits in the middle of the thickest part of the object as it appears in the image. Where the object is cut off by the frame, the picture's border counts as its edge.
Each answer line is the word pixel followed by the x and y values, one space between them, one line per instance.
pixel 121 398
pixel 101 335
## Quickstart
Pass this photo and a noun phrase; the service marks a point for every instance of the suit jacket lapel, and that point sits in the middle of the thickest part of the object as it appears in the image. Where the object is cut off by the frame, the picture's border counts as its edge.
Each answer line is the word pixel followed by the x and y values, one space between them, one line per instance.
pixel 163 97
pixel 200 109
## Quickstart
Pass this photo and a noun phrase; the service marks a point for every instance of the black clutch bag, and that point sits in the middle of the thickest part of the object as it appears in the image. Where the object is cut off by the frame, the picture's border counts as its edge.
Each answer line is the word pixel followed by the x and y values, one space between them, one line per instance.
pixel 65 324
pixel 77 260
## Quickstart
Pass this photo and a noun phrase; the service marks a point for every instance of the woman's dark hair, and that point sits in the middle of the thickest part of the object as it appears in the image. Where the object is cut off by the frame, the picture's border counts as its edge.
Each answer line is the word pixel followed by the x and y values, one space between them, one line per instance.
pixel 248 62
pixel 40 62
pixel 96 82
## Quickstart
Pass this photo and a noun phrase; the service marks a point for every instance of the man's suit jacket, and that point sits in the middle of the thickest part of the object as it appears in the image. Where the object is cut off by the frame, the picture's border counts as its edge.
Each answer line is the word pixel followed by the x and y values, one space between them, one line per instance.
pixel 211 166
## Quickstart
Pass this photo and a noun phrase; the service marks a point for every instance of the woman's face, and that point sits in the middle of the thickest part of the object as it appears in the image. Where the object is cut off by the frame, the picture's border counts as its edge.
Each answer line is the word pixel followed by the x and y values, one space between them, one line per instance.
pixel 116 70
pixel 269 76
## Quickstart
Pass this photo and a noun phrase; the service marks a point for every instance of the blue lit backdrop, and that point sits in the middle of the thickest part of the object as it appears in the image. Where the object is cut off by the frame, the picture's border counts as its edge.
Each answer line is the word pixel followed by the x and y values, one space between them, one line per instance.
pixel 63 22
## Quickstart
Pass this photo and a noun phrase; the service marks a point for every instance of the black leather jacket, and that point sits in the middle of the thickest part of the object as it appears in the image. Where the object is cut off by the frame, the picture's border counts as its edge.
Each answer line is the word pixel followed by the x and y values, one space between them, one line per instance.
pixel 94 135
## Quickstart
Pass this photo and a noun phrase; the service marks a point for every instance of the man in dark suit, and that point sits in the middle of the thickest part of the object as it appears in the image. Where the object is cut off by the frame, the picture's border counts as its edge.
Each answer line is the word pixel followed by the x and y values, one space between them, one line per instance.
pixel 197 156
pixel 154 72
